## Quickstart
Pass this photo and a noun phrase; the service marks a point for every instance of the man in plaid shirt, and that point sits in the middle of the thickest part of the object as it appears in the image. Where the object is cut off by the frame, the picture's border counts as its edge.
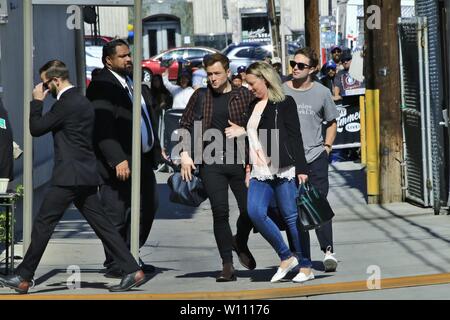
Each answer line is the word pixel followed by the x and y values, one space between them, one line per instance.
pixel 225 109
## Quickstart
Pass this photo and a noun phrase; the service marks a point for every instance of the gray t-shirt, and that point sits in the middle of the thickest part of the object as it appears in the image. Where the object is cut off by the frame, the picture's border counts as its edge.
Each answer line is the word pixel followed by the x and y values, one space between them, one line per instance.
pixel 314 106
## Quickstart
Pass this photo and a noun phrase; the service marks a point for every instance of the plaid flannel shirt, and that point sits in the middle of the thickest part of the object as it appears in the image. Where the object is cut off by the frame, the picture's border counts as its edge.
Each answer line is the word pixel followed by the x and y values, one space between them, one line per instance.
pixel 238 109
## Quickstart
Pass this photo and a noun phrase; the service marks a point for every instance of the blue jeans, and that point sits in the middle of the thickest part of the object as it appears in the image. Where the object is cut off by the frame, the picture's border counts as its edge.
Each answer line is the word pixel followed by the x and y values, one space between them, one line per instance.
pixel 260 194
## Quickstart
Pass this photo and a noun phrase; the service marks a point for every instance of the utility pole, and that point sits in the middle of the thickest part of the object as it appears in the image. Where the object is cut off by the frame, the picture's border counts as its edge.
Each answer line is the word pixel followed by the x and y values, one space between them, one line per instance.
pixel 312 25
pixel 225 17
pixel 275 26
pixel 382 76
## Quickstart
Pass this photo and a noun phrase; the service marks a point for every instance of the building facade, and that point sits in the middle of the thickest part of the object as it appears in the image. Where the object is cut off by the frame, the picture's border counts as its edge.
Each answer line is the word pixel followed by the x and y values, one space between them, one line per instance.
pixel 112 22
pixel 216 23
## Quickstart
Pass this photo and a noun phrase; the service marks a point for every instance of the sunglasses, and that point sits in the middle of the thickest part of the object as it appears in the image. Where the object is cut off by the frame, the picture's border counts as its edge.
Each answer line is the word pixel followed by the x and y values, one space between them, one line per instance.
pixel 46 83
pixel 336 51
pixel 300 65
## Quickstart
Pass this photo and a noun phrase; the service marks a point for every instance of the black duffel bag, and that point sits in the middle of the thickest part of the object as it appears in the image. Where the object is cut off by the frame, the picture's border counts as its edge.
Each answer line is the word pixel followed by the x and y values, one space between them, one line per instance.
pixel 189 193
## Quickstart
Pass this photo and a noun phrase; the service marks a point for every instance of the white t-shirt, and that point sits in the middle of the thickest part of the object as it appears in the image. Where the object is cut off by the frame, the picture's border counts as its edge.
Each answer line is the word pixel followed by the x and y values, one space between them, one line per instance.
pixel 180 96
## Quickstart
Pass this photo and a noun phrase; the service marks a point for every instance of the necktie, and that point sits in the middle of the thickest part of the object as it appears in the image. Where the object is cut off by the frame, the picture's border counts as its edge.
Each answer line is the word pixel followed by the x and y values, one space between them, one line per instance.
pixel 146 129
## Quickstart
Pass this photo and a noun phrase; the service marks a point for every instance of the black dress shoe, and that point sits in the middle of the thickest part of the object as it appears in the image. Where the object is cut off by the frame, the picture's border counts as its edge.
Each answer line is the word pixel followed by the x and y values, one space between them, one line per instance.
pixel 245 256
pixel 15 282
pixel 129 281
pixel 227 273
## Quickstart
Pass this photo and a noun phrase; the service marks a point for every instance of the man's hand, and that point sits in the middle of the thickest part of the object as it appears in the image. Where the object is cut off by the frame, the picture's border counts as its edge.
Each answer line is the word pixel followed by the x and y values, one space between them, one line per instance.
pixel 123 171
pixel 164 154
pixel 328 148
pixel 302 178
pixel 187 165
pixel 234 131
pixel 39 93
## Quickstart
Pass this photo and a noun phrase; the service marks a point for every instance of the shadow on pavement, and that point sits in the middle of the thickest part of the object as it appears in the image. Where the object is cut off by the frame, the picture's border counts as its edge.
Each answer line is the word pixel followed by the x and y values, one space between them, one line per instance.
pixel 257 275
pixel 402 235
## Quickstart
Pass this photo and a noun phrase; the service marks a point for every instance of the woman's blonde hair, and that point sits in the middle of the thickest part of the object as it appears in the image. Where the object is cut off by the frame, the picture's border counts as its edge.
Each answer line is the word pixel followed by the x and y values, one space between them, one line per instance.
pixel 265 71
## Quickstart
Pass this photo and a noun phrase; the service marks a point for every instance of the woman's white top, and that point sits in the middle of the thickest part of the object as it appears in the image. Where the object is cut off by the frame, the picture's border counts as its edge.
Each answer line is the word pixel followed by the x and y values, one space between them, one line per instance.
pixel 180 96
pixel 262 168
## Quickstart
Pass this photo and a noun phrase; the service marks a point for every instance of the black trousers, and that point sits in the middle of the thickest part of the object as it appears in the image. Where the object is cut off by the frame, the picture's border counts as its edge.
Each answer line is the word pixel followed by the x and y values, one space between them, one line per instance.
pixel 318 177
pixel 217 178
pixel 116 199
pixel 56 202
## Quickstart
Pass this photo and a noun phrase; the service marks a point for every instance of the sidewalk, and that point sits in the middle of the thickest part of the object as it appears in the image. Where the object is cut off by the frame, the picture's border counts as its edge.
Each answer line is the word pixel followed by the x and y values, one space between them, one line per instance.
pixel 401 239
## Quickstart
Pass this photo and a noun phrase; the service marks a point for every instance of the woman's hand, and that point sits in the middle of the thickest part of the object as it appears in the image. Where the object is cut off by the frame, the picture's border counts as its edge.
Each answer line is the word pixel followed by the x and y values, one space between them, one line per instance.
pixel 234 131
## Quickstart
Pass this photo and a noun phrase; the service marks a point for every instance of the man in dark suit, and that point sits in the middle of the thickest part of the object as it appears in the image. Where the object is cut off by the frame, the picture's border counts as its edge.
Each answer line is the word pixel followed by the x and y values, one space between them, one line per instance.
pixel 111 93
pixel 74 179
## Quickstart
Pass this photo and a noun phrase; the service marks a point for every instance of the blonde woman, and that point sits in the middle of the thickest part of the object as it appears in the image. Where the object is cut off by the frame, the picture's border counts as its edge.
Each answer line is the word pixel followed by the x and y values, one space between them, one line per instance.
pixel 273 113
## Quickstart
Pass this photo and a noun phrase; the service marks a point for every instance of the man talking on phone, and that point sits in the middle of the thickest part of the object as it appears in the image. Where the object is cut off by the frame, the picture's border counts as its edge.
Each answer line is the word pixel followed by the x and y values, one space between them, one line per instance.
pixel 74 178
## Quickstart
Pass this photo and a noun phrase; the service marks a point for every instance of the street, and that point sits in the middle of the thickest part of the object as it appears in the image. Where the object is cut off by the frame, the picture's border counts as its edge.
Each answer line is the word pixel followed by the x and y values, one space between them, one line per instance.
pixel 398 240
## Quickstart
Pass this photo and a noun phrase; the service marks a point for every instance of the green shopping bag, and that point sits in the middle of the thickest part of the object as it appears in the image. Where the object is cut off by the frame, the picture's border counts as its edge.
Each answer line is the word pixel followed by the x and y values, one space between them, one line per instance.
pixel 313 208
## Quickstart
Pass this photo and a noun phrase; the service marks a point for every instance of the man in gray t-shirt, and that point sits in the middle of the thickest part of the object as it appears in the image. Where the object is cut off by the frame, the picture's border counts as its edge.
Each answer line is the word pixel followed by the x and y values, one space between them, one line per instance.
pixel 314 105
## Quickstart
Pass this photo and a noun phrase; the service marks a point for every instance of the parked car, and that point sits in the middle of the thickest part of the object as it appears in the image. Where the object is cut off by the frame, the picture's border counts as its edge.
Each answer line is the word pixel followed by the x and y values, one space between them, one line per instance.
pixel 96 41
pixel 244 54
pixel 170 58
pixel 93 61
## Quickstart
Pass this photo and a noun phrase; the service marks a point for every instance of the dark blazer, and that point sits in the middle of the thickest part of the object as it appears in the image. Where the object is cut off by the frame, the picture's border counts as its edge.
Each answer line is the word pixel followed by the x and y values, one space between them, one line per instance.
pixel 6 147
pixel 284 117
pixel 71 120
pixel 114 124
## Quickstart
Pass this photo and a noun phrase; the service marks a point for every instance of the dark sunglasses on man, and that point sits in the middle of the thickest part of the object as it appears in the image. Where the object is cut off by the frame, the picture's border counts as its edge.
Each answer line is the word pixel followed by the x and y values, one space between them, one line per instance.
pixel 46 83
pixel 300 65
pixel 336 51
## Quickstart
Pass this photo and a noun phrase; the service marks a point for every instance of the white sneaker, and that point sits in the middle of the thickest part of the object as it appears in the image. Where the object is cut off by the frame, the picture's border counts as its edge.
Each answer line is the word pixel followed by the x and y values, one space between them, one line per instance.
pixel 330 262
pixel 281 273
pixel 301 277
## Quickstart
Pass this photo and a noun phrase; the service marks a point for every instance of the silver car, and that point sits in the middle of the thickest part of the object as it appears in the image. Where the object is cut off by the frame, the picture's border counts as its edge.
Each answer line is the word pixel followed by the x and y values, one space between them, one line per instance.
pixel 244 54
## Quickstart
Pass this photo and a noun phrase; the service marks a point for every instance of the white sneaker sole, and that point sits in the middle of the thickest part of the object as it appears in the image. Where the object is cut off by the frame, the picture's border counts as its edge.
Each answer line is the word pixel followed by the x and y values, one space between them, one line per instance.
pixel 330 265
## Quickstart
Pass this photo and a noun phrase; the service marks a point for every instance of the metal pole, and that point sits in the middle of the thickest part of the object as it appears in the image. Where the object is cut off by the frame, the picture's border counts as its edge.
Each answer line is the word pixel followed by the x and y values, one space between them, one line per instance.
pixel 226 33
pixel 136 154
pixel 402 98
pixel 337 25
pixel 427 112
pixel 80 57
pixel 284 55
pixel 27 139
pixel 274 27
